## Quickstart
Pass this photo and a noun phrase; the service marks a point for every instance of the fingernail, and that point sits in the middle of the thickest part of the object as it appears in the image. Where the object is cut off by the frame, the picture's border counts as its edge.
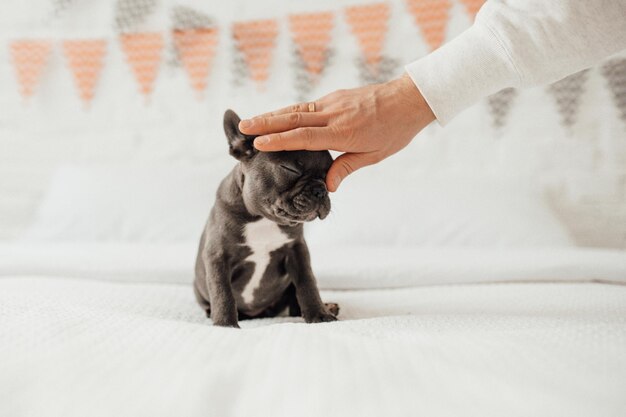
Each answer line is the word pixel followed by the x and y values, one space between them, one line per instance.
pixel 336 182
pixel 245 123
pixel 263 140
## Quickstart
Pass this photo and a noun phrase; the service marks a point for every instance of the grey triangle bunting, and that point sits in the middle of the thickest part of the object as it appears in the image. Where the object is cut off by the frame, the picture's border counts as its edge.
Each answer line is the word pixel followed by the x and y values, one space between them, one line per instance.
pixel 130 14
pixel 567 94
pixel 615 73
pixel 500 106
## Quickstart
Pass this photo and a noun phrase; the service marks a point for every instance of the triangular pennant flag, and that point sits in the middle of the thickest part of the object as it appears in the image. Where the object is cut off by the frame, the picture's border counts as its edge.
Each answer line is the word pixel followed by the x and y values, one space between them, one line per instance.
pixel 131 14
pixel 615 73
pixel 567 94
pixel 256 40
pixel 500 105
pixel 184 17
pixel 30 58
pixel 311 33
pixel 85 59
pixel 196 48
pixel 369 25
pixel 432 17
pixel 143 53
pixel 473 6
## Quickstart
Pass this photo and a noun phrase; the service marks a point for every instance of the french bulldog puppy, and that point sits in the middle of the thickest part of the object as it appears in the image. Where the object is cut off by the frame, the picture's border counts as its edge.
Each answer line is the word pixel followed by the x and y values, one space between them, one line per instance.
pixel 253 260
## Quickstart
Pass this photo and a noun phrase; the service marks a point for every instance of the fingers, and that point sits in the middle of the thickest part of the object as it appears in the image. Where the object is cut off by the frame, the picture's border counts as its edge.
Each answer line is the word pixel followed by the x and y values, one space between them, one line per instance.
pixel 296 108
pixel 302 138
pixel 345 165
pixel 281 123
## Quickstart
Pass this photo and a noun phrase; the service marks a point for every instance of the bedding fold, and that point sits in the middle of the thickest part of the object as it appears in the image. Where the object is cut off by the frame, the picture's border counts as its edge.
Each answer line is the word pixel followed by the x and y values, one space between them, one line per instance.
pixel 336 268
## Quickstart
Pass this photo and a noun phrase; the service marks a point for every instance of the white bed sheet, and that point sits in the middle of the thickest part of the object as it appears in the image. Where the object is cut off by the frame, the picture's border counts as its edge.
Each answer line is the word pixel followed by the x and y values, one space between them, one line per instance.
pixel 133 342
pixel 73 347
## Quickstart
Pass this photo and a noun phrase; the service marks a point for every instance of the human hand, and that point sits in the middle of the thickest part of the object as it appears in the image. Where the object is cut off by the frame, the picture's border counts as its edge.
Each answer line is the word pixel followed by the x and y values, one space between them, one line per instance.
pixel 367 123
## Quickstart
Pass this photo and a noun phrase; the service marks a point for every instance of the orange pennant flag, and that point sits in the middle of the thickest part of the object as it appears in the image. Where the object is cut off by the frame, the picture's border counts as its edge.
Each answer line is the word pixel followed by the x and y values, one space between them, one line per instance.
pixel 369 25
pixel 472 6
pixel 196 48
pixel 256 40
pixel 143 52
pixel 432 17
pixel 311 34
pixel 85 58
pixel 30 58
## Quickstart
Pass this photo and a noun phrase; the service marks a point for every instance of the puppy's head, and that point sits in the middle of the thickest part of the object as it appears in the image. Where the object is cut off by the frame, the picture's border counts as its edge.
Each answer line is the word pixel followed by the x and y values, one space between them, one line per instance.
pixel 285 187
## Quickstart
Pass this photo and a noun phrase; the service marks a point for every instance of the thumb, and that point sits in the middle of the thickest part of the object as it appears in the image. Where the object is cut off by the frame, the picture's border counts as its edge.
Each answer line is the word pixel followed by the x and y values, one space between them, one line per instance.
pixel 343 166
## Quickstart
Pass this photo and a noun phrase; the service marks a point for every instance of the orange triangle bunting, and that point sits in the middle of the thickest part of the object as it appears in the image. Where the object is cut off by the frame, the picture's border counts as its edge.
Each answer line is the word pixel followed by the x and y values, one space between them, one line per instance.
pixel 143 53
pixel 369 25
pixel 432 17
pixel 256 40
pixel 85 59
pixel 472 6
pixel 29 58
pixel 196 48
pixel 311 34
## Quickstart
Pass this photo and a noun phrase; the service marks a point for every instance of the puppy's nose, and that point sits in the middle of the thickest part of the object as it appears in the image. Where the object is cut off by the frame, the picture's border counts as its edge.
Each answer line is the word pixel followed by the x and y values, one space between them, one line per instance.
pixel 319 191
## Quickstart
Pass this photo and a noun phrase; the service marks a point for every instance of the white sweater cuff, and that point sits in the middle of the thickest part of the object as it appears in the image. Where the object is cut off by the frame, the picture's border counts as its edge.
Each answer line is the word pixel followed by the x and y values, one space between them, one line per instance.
pixel 461 72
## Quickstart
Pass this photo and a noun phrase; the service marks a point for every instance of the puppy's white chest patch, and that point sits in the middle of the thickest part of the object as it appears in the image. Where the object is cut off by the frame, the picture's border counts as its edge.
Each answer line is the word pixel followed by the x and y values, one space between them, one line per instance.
pixel 262 237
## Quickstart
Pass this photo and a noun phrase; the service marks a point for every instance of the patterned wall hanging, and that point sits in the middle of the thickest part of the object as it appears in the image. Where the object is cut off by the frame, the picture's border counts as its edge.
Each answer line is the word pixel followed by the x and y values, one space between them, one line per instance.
pixel 432 18
pixel 615 73
pixel 255 40
pixel 29 59
pixel 369 24
pixel 311 35
pixel 472 6
pixel 196 48
pixel 143 53
pixel 85 59
pixel 130 14
pixel 500 105
pixel 567 94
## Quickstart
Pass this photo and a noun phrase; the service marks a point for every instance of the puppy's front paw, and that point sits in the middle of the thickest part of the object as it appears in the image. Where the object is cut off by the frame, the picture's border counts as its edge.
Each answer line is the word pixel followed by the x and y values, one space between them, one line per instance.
pixel 333 308
pixel 320 317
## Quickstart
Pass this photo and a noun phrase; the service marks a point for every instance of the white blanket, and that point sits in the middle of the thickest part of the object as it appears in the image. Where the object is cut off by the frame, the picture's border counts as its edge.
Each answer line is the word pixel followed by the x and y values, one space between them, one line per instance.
pixel 77 347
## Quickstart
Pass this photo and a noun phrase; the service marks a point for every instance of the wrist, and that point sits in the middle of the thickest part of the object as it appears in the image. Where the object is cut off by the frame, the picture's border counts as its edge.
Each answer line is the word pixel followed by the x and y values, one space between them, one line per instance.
pixel 411 100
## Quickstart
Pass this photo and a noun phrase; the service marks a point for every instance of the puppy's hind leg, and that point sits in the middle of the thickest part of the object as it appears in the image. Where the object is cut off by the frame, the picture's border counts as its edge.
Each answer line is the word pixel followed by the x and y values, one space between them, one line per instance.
pixel 204 303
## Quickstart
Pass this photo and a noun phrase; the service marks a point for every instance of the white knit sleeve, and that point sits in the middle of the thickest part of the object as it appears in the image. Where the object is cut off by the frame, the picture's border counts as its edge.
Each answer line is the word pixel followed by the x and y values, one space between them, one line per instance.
pixel 518 43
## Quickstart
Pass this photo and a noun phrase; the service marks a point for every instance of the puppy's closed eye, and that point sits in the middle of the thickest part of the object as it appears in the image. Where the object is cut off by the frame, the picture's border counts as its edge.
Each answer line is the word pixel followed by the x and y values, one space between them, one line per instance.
pixel 291 169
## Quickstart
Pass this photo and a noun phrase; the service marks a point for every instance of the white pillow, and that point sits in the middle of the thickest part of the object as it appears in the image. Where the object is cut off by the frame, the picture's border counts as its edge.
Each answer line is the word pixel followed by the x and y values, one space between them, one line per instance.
pixel 133 204
pixel 171 204
pixel 375 210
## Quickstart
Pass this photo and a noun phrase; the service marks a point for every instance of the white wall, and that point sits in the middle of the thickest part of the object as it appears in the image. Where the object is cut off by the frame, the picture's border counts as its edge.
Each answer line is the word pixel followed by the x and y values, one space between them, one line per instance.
pixel 582 167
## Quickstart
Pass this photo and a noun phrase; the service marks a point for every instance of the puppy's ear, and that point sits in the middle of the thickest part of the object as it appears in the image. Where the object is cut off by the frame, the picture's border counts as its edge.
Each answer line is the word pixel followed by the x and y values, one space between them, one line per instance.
pixel 240 145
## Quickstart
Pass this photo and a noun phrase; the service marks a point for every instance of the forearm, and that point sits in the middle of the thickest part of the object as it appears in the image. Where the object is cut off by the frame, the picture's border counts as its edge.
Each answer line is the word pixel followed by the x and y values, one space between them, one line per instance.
pixel 518 43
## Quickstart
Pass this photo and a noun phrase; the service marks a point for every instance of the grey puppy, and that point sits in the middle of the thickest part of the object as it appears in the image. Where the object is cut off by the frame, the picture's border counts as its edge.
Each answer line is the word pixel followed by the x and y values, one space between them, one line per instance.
pixel 253 260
